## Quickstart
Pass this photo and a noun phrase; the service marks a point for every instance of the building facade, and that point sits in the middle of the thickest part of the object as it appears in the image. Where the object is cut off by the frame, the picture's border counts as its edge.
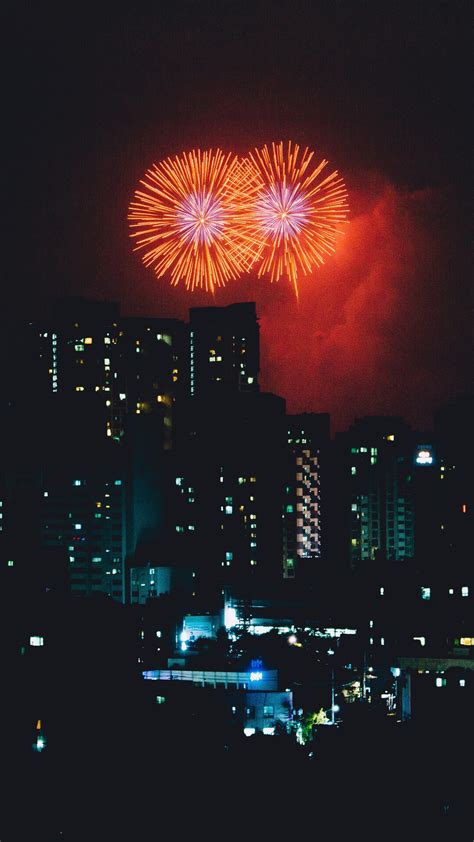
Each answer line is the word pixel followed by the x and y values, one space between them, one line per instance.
pixel 376 472
pixel 308 440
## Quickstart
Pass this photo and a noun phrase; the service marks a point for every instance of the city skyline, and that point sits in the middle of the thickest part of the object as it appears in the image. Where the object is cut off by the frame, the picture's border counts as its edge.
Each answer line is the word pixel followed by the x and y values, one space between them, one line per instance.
pixel 391 307
pixel 236 586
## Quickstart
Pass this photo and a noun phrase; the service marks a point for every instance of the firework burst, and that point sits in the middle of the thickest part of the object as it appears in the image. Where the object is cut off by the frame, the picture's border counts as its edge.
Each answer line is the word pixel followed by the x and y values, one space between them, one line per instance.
pixel 190 218
pixel 297 213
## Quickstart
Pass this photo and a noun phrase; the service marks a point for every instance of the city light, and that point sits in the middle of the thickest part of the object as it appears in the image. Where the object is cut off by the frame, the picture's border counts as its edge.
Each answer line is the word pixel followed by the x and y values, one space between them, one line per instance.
pixel 424 456
pixel 256 676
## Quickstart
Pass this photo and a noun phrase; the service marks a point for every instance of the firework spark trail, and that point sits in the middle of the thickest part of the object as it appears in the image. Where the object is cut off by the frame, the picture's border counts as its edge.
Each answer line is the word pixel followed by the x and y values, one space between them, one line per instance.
pixel 190 218
pixel 296 217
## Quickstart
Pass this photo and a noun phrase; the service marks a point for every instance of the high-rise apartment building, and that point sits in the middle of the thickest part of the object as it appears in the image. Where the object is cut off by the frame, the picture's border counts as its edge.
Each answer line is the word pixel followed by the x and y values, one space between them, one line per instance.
pixel 229 486
pixel 308 440
pixel 230 464
pixel 376 459
pixel 85 516
pixel 101 505
pixel 224 349
pixel 108 366
pixel 454 467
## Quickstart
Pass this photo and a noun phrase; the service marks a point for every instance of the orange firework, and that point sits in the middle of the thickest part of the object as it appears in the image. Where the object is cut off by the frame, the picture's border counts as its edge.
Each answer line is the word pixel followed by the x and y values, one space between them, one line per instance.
pixel 190 218
pixel 296 213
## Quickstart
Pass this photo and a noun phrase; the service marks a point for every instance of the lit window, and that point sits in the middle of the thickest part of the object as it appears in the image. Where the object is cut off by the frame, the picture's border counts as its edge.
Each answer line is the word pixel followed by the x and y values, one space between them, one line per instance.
pixel 229 556
pixel 421 639
pixel 77 482
pixel 36 641
pixel 228 510
pixel 78 526
pixel 462 682
pixel 464 591
pixel 353 470
pixel 88 340
pixel 440 682
pixel 425 593
pixel 10 562
pixel 118 482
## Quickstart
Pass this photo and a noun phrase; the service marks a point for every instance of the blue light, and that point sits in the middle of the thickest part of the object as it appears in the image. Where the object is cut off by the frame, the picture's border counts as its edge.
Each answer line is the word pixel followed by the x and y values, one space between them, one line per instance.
pixel 256 676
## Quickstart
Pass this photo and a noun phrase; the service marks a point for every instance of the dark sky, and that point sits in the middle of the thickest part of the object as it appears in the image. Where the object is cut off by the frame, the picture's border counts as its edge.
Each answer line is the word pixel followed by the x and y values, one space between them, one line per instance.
pixel 381 89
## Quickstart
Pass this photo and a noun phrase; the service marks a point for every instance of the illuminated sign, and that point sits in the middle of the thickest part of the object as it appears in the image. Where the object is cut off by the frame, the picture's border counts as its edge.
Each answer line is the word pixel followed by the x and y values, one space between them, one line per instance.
pixel 256 676
pixel 424 455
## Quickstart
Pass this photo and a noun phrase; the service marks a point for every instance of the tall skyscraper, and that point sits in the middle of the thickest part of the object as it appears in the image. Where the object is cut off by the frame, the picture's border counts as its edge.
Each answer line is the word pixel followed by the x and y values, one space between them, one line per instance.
pixel 85 517
pixel 108 366
pixel 230 464
pixel 376 459
pixel 101 504
pixel 308 440
pixel 224 349
pixel 455 468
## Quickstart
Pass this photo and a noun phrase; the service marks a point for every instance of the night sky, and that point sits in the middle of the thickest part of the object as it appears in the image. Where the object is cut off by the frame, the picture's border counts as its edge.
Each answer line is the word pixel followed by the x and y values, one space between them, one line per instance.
pixel 381 89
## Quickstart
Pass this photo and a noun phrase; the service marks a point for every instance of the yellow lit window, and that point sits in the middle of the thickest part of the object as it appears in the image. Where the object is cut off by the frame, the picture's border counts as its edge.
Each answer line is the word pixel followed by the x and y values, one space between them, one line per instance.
pixel 88 340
